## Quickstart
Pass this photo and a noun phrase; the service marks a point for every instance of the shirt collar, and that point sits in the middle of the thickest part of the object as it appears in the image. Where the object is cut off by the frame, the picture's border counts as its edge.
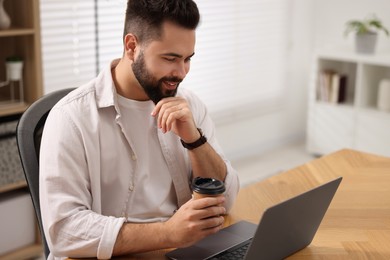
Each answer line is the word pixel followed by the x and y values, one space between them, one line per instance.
pixel 106 94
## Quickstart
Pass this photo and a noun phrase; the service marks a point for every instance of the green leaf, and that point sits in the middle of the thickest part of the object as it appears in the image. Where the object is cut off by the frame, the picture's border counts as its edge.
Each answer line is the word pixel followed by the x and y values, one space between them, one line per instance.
pixel 368 25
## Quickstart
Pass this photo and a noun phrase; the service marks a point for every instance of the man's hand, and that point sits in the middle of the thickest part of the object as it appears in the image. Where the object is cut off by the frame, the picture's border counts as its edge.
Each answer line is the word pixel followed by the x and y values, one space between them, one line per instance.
pixel 174 114
pixel 195 220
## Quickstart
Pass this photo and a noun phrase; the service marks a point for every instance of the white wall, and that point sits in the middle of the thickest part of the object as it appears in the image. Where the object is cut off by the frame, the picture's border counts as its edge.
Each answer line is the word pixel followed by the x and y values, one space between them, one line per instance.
pixel 315 24
pixel 330 17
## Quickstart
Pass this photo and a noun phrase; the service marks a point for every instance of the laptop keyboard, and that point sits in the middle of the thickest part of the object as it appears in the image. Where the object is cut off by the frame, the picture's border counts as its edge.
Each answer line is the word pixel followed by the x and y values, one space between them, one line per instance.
pixel 234 253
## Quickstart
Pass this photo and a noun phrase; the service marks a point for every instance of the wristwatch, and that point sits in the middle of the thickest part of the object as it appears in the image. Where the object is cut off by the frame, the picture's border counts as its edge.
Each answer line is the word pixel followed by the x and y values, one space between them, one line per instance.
pixel 190 146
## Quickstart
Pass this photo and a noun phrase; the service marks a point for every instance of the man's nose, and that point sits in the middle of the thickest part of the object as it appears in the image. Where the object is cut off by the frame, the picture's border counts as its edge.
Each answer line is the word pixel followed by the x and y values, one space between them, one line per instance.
pixel 181 70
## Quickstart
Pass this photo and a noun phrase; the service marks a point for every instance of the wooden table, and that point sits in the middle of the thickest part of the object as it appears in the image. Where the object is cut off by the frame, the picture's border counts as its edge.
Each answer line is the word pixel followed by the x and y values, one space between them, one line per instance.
pixel 357 223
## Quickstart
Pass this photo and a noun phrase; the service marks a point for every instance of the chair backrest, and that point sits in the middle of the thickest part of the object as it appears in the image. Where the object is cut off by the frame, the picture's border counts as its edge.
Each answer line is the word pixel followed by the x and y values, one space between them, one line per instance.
pixel 28 136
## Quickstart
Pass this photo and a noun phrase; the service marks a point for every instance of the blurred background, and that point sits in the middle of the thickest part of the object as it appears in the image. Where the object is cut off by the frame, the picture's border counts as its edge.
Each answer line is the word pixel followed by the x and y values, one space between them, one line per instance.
pixel 261 66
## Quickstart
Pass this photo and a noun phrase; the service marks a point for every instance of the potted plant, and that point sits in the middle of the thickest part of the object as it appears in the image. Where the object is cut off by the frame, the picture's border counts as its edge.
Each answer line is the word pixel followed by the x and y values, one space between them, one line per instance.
pixel 366 33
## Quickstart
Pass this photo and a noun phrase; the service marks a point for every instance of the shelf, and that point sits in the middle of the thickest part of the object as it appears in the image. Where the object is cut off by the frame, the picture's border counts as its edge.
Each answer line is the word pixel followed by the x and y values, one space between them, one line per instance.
pixel 371 77
pixel 28 252
pixel 350 56
pixel 375 112
pixel 339 105
pixel 335 81
pixel 16 32
pixel 11 109
pixel 13 186
pixel 23 39
pixel 358 123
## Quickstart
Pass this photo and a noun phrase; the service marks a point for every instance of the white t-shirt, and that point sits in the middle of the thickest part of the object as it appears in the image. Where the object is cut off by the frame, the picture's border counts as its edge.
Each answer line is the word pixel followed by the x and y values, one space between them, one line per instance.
pixel 152 176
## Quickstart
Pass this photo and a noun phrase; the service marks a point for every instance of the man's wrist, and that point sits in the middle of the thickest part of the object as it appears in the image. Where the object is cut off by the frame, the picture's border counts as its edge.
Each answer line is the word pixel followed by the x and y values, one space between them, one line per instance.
pixel 192 145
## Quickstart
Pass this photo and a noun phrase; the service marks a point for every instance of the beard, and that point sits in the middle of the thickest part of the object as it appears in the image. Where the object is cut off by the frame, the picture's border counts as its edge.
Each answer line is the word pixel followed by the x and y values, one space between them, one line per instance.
pixel 153 87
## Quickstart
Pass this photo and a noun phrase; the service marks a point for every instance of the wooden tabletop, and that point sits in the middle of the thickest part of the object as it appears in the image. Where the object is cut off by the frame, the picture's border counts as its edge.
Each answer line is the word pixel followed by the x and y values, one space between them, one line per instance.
pixel 357 223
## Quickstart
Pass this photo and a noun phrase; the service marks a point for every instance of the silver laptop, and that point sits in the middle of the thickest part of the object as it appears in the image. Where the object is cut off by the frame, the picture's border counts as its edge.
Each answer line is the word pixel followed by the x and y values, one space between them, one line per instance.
pixel 283 230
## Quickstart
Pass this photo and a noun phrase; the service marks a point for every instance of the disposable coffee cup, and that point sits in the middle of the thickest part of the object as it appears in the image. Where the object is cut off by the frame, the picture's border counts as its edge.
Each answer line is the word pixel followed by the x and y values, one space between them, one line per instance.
pixel 207 187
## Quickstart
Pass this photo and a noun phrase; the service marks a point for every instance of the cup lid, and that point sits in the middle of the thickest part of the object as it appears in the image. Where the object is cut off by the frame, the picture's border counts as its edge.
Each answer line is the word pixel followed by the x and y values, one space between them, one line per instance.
pixel 208 186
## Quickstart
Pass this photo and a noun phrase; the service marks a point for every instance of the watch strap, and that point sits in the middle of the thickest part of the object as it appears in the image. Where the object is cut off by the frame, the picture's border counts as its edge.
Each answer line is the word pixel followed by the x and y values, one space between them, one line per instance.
pixel 190 146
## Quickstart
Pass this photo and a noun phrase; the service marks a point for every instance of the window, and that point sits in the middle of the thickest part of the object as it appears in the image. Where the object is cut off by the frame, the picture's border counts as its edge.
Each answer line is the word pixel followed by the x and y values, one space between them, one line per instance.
pixel 68 43
pixel 239 64
pixel 240 55
pixel 111 14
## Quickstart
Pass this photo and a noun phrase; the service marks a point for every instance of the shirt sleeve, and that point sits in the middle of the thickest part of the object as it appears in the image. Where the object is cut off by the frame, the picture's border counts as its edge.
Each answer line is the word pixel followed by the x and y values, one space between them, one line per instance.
pixel 204 121
pixel 232 183
pixel 72 227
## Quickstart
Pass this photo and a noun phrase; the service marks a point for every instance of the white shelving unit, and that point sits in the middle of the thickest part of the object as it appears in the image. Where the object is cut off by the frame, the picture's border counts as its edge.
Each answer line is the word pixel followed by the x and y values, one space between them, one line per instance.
pixel 356 123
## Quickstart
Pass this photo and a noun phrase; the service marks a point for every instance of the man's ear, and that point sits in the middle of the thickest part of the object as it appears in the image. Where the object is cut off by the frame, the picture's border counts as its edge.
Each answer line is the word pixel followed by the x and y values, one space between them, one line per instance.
pixel 130 44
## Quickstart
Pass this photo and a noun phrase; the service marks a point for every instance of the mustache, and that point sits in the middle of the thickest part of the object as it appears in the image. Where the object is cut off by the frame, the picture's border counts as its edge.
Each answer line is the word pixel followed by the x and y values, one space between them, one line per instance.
pixel 172 79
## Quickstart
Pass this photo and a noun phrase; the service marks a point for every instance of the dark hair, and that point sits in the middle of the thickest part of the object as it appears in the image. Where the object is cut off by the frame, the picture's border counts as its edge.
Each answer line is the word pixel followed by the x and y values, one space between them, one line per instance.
pixel 144 18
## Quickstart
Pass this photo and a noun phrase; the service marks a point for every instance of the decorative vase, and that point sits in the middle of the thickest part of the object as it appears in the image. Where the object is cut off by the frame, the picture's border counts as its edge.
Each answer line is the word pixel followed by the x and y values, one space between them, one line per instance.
pixel 384 95
pixel 365 43
pixel 5 20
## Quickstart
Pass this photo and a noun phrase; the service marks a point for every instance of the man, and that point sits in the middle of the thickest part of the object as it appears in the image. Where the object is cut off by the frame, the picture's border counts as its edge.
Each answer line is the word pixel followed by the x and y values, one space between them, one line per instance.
pixel 118 154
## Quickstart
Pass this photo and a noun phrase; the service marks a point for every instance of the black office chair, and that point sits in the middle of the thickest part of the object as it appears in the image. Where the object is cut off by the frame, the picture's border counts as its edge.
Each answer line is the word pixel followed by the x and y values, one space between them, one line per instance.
pixel 28 136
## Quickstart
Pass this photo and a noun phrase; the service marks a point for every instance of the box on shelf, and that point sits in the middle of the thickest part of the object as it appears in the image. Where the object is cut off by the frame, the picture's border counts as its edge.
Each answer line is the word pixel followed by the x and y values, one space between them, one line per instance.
pixel 11 170
pixel 17 221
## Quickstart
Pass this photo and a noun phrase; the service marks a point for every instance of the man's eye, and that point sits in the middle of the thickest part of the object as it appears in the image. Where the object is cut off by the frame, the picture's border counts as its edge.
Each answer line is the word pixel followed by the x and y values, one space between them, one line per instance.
pixel 188 60
pixel 169 59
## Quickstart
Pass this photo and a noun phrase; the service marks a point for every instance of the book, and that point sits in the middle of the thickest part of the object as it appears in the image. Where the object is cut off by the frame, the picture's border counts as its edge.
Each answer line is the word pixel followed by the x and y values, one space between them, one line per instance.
pixel 324 85
pixel 338 88
pixel 342 97
pixel 332 87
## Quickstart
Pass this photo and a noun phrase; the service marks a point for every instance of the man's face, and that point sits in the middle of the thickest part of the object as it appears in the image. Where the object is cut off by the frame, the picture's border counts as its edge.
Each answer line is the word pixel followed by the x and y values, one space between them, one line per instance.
pixel 155 88
pixel 163 64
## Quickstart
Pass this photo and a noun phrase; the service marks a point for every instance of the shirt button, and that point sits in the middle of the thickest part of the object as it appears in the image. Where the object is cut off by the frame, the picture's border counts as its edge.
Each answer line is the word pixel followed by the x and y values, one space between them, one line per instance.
pixel 133 157
pixel 131 188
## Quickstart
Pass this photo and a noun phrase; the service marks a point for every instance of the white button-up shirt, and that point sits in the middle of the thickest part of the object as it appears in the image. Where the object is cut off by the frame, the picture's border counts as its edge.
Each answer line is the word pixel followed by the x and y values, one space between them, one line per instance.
pixel 88 164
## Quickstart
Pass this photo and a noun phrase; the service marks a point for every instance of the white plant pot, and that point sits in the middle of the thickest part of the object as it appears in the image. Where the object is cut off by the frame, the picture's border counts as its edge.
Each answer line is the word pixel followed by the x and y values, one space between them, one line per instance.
pixel 366 43
pixel 14 70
